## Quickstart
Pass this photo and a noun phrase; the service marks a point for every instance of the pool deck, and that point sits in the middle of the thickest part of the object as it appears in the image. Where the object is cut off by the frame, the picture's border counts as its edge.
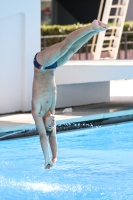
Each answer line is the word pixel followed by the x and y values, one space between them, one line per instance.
pixel 116 109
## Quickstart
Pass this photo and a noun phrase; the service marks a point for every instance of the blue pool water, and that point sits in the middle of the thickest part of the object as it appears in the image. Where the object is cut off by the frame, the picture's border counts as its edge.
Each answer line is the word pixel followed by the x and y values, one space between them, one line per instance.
pixel 93 164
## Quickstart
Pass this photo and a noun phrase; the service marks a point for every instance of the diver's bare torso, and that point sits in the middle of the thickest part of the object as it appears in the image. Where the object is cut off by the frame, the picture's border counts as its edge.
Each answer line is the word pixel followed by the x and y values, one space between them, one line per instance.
pixel 44 92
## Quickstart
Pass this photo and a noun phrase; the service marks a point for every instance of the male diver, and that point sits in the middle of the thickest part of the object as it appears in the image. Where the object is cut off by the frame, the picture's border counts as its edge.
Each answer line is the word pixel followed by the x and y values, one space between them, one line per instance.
pixel 44 87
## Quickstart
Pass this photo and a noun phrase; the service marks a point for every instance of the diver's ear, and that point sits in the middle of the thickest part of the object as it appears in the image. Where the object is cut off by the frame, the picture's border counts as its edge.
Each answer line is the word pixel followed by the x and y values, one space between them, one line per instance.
pixel 50 110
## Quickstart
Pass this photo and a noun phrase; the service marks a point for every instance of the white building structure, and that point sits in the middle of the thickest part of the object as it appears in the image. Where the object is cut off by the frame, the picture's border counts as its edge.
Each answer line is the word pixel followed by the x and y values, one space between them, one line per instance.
pixel 88 82
pixel 19 41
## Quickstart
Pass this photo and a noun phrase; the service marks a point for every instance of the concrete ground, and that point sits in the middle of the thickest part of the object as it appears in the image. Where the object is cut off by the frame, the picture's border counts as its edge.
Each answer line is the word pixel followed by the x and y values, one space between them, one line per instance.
pixel 116 109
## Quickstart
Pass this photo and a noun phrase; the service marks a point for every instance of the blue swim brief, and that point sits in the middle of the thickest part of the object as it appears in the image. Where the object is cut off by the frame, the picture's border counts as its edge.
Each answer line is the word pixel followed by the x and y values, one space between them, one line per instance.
pixel 38 66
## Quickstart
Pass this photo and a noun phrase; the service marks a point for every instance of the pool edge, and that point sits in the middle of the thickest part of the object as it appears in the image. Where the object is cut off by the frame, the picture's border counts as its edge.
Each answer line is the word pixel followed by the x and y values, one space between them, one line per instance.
pixel 97 119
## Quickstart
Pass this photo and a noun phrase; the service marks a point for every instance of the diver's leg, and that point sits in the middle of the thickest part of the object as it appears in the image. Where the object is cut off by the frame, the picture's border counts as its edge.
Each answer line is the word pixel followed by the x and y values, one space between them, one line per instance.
pixel 51 54
pixel 74 48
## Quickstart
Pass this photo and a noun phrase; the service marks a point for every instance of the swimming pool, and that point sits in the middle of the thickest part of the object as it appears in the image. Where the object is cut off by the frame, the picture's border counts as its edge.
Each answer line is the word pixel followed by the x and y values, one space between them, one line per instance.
pixel 93 163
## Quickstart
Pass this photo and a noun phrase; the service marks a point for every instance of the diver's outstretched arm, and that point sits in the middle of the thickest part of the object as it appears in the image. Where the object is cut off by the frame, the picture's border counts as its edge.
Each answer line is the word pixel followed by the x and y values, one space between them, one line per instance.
pixel 43 139
pixel 53 145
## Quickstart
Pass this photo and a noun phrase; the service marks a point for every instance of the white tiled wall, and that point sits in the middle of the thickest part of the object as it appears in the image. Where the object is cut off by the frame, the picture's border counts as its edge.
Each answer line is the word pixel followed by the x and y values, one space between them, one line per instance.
pixel 19 41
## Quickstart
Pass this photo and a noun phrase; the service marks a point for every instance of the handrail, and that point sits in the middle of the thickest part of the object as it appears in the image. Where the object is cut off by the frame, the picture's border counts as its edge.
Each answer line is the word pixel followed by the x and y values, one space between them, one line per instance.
pixel 53 36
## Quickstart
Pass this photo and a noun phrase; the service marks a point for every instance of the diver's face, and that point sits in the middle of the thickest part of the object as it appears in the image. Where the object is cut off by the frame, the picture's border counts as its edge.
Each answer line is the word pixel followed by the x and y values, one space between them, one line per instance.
pixel 49 122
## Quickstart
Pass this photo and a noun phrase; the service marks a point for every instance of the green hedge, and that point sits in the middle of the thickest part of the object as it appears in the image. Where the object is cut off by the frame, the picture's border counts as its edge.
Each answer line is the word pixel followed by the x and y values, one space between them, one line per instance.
pixel 47 30
pixel 58 30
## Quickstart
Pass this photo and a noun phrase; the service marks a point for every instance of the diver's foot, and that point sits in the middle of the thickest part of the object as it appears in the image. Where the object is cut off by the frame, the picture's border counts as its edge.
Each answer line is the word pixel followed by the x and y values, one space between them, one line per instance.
pixel 99 26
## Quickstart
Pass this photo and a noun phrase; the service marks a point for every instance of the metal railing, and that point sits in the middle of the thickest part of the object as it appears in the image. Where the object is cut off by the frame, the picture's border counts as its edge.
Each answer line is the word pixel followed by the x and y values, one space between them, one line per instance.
pixel 126 45
pixel 125 49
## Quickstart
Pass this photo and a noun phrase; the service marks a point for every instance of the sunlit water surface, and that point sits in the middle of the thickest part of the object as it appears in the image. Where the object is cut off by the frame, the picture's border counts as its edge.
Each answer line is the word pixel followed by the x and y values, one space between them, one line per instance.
pixel 93 164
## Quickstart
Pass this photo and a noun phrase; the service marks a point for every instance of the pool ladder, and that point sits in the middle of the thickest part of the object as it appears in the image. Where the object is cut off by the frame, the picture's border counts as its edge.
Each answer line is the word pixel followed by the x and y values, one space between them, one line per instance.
pixel 109 41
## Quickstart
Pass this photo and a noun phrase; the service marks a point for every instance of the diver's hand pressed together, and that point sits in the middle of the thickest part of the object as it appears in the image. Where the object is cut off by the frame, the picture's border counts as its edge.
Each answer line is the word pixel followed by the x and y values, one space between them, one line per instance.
pixel 48 165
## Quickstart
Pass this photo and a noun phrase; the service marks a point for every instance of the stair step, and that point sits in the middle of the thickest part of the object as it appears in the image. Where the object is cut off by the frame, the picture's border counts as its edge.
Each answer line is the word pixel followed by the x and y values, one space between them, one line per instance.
pixel 114 27
pixel 106 58
pixel 118 6
pixel 115 17
pixel 108 48
pixel 110 38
